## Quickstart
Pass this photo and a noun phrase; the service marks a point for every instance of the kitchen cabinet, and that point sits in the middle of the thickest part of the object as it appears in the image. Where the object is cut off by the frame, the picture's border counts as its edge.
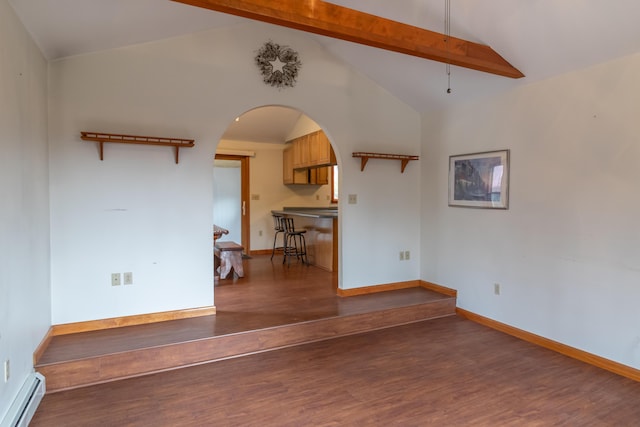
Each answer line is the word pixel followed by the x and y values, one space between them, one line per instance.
pixel 289 174
pixel 310 176
pixel 312 150
pixel 322 175
pixel 301 152
pixel 320 151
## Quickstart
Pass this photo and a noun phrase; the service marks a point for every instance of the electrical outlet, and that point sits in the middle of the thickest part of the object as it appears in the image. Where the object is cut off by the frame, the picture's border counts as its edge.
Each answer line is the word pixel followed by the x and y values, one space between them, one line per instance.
pixel 115 279
pixel 127 278
pixel 401 255
pixel 353 199
pixel 255 197
pixel 7 370
pixel 496 288
pixel 407 255
pixel 260 233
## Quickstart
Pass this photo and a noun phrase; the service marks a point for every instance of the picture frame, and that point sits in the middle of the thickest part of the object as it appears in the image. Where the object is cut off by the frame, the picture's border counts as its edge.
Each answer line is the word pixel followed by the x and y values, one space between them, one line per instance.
pixel 479 180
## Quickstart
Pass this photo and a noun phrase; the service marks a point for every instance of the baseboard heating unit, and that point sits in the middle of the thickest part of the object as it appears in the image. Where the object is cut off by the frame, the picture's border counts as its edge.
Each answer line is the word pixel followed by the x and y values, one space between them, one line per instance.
pixel 26 402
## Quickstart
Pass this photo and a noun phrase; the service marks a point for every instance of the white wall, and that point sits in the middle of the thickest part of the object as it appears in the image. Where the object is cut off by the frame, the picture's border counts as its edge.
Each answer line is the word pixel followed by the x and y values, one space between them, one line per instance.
pixel 138 211
pixel 25 314
pixel 567 252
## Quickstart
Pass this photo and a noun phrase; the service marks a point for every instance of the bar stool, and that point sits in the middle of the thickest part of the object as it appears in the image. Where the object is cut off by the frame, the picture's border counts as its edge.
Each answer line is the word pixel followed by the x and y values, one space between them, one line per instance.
pixel 279 228
pixel 295 243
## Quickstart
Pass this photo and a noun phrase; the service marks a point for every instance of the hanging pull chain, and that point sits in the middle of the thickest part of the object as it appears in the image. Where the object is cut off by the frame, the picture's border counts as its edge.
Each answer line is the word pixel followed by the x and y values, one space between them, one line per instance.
pixel 447 33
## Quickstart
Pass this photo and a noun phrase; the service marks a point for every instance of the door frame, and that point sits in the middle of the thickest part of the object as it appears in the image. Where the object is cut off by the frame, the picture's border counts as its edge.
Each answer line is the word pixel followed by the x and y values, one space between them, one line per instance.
pixel 245 204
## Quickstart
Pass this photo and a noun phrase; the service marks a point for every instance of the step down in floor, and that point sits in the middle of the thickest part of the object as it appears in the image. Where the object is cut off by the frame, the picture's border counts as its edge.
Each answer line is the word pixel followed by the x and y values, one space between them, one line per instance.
pixel 63 375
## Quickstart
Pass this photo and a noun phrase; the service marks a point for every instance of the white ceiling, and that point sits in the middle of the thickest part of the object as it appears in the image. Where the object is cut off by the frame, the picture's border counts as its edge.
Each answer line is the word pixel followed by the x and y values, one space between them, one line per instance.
pixel 541 38
pixel 265 124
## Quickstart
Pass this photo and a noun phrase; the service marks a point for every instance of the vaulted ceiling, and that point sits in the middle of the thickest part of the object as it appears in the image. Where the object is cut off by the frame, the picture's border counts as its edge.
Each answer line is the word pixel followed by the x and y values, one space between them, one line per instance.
pixel 541 38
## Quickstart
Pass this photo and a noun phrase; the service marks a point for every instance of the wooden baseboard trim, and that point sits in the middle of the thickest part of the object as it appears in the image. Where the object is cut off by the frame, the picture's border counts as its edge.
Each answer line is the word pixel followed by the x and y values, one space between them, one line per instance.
pixel 398 285
pixel 264 252
pixel 43 346
pixel 378 288
pixel 583 356
pixel 140 319
pixel 439 289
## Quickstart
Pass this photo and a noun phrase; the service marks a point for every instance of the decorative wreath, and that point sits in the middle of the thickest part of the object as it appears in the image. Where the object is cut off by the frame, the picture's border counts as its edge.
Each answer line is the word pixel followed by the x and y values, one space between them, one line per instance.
pixel 271 52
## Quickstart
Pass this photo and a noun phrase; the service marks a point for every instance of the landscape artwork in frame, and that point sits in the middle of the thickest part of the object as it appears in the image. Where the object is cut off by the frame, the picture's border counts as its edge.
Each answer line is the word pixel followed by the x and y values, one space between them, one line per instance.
pixel 479 180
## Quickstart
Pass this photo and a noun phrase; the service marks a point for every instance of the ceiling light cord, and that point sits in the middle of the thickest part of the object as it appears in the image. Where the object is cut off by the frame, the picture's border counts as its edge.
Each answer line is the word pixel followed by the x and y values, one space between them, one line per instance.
pixel 447 34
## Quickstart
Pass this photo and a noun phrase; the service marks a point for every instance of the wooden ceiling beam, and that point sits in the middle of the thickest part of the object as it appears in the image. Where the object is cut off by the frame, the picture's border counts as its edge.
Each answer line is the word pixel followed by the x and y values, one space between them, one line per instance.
pixel 327 19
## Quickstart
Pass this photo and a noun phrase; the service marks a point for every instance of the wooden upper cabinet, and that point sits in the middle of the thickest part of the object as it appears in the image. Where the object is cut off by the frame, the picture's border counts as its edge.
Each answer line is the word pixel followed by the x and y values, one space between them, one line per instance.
pixel 321 152
pixel 306 160
pixel 312 150
pixel 321 175
pixel 290 175
pixel 287 165
pixel 301 152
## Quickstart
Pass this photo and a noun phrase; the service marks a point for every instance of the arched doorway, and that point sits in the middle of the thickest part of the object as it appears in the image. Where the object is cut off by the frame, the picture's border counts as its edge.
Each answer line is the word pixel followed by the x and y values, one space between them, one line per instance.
pixel 261 136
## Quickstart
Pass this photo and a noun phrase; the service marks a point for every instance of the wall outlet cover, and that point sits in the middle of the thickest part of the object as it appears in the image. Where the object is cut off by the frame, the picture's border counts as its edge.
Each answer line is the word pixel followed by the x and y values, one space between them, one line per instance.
pixel 115 279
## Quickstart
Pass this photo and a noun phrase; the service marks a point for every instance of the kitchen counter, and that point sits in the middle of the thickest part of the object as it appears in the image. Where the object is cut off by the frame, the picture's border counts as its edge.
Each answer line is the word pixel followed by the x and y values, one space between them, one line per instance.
pixel 321 225
pixel 309 212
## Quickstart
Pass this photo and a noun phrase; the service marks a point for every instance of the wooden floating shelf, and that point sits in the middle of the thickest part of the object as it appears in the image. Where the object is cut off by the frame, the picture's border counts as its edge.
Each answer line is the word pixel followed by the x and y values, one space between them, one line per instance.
pixel 364 158
pixel 101 138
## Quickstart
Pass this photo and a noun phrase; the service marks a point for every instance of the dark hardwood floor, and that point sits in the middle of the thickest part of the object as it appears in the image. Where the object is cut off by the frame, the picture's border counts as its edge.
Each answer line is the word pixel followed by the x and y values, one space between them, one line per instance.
pixel 443 372
pixel 270 294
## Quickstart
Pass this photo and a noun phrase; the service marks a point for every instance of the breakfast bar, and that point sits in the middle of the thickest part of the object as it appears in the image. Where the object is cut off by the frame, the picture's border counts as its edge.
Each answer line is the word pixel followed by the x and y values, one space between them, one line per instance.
pixel 321 225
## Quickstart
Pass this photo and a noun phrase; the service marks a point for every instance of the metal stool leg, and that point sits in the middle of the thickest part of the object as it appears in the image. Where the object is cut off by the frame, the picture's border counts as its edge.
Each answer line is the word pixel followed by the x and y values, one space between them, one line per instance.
pixel 275 239
pixel 294 242
pixel 290 247
pixel 303 248
pixel 279 228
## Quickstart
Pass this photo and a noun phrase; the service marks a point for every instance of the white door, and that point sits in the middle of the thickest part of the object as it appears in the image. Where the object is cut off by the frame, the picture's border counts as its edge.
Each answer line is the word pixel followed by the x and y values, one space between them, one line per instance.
pixel 227 198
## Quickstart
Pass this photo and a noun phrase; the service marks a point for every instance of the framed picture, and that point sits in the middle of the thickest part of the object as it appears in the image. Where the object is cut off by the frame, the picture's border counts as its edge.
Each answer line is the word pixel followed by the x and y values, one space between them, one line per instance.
pixel 479 180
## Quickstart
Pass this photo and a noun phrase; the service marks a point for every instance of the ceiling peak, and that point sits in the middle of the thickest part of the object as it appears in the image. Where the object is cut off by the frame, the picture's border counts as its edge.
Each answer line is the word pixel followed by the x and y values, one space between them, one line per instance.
pixel 327 19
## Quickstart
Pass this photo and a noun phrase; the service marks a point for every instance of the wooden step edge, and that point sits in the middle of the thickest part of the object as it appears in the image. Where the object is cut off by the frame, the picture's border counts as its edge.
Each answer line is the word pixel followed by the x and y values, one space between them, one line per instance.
pixel 396 286
pixel 42 347
pixel 450 310
pixel 439 289
pixel 117 322
pixel 97 370
pixel 39 364
pixel 138 319
pixel 366 290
